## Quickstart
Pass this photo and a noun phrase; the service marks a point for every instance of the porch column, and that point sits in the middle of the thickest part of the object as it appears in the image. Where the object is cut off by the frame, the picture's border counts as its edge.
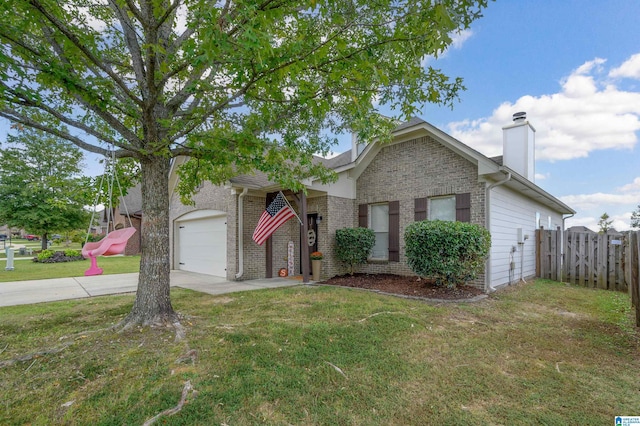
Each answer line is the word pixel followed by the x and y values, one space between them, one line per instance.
pixel 304 232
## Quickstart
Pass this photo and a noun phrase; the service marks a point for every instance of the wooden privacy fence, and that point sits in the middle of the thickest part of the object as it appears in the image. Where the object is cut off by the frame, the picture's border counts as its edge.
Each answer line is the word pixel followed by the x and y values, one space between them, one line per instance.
pixel 605 261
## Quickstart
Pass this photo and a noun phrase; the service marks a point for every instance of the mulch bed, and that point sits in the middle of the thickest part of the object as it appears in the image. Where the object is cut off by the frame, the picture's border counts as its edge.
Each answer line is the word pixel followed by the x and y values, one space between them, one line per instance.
pixel 404 285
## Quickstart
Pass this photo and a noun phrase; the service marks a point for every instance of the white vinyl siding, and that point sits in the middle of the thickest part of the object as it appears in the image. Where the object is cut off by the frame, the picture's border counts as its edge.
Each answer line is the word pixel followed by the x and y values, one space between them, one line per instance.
pixel 510 211
pixel 380 226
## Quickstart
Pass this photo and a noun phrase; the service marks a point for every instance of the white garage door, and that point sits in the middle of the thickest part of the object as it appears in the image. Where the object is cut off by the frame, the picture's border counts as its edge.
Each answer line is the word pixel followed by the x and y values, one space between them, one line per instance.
pixel 202 244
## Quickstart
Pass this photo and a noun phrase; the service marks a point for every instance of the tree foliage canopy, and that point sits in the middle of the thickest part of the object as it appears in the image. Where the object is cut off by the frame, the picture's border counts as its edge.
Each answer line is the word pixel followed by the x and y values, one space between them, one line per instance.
pixel 635 218
pixel 237 86
pixel 41 189
pixel 604 224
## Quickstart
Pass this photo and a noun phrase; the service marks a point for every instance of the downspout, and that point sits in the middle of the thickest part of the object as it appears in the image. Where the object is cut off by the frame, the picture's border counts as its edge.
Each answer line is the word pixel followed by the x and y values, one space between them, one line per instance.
pixel 241 234
pixel 487 218
pixel 562 248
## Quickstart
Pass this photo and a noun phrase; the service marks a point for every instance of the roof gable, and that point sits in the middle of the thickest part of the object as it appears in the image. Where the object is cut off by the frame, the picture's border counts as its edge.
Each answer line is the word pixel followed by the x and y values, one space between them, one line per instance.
pixel 490 169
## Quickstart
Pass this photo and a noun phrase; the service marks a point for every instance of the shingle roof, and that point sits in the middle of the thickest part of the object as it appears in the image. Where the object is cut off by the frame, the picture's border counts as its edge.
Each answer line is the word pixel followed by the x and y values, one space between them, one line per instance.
pixel 337 161
pixel 257 180
pixel 260 179
pixel 412 122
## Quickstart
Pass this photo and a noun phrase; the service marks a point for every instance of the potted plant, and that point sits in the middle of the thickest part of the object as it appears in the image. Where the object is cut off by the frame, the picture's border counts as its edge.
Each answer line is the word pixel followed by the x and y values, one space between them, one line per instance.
pixel 316 263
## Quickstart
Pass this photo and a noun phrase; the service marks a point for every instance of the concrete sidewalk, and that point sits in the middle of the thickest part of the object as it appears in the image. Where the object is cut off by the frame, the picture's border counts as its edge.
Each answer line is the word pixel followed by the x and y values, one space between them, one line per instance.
pixel 37 291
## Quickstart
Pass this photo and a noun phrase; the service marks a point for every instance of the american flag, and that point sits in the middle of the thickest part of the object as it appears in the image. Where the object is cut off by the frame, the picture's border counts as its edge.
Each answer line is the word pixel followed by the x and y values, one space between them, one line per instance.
pixel 272 218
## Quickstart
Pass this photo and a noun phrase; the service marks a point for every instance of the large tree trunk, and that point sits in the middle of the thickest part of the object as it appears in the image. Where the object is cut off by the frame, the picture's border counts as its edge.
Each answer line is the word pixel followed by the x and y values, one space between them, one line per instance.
pixel 153 303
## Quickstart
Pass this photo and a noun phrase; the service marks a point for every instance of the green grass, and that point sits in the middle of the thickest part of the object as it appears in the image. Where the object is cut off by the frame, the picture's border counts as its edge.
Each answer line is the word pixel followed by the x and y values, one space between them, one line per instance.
pixel 28 270
pixel 541 353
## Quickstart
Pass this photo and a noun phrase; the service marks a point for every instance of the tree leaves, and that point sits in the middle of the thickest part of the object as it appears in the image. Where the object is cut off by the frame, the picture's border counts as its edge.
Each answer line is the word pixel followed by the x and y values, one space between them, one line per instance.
pixel 41 189
pixel 148 76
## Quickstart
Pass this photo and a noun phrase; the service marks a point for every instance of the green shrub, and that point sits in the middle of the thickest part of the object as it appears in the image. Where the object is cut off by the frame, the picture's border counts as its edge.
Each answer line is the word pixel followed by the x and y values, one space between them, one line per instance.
pixel 353 245
pixel 51 256
pixel 45 254
pixel 448 252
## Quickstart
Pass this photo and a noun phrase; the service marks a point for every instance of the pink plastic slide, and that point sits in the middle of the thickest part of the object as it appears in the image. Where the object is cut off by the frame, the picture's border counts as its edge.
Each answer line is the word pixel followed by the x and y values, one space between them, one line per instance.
pixel 114 243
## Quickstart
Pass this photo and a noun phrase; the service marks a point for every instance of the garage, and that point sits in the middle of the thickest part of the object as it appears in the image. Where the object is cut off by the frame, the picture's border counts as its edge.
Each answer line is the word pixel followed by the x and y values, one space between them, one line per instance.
pixel 201 244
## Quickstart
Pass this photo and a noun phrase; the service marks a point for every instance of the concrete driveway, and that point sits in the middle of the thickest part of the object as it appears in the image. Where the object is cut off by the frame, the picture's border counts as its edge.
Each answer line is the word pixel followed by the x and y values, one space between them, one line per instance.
pixel 37 291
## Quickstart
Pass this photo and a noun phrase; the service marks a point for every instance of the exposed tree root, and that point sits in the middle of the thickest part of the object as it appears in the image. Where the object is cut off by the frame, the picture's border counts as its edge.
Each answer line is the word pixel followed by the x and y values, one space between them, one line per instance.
pixel 29 357
pixel 338 369
pixel 376 314
pixel 170 412
pixel 83 334
pixel 169 321
pixel 191 356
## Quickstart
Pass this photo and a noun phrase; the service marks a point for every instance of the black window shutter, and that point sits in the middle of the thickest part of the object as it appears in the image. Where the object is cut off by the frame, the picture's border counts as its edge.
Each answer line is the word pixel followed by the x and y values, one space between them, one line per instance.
pixel 420 210
pixel 363 213
pixel 394 231
pixel 463 207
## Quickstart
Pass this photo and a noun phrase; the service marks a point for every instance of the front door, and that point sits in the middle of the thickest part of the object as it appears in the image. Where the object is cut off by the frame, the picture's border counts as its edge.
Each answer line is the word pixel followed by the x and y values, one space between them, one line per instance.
pixel 312 235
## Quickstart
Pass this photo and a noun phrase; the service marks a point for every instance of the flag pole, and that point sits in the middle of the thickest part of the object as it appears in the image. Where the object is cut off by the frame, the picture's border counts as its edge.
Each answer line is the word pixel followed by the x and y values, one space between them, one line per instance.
pixel 291 207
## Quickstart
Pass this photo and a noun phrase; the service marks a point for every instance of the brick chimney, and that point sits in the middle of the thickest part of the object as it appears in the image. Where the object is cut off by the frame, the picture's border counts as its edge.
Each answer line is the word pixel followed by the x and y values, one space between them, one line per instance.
pixel 519 140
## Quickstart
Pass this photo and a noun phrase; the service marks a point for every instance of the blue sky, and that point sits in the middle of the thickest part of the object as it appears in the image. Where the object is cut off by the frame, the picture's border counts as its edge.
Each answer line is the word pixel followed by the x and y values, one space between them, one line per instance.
pixel 571 66
pixel 574 67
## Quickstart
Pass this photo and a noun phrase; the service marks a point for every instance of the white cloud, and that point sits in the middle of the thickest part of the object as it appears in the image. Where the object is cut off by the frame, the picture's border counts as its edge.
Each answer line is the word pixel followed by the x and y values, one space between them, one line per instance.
pixel 633 187
pixel 595 201
pixel 629 69
pixel 619 222
pixel 618 205
pixel 588 113
pixel 457 41
pixel 540 176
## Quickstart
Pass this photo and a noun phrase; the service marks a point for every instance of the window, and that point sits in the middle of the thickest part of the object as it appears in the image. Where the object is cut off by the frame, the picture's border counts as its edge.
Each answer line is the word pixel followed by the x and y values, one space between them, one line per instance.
pixel 442 208
pixel 380 226
pixel 537 220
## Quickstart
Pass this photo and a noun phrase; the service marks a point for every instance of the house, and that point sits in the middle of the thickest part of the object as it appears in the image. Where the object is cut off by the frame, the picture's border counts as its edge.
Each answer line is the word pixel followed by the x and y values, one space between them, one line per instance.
pixel 423 173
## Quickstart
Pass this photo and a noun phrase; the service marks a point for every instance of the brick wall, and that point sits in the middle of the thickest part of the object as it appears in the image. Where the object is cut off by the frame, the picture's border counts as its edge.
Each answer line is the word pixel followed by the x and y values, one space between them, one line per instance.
pixel 254 255
pixel 341 213
pixel 401 172
pixel 416 169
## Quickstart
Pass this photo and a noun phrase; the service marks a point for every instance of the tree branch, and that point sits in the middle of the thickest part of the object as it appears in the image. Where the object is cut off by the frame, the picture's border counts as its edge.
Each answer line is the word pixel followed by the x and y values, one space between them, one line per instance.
pixel 131 37
pixel 24 120
pixel 24 101
pixel 88 54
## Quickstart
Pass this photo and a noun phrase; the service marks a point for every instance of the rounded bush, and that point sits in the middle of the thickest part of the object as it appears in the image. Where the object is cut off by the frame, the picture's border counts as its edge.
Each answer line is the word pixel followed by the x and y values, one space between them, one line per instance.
pixel 72 253
pixel 51 256
pixel 353 245
pixel 448 252
pixel 45 254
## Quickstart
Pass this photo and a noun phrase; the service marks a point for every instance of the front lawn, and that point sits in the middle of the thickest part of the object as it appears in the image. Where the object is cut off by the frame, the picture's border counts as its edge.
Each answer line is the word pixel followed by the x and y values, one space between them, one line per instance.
pixel 28 270
pixel 34 246
pixel 541 353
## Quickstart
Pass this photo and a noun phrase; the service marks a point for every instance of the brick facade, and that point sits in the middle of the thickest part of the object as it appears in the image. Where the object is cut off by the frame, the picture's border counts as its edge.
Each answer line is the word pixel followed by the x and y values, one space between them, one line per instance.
pixel 419 168
pixel 400 172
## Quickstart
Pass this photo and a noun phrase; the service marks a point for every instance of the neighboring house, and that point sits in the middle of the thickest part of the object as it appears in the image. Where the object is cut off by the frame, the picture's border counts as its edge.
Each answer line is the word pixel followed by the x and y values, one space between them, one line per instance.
pixel 129 213
pixel 423 173
pixel 577 228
